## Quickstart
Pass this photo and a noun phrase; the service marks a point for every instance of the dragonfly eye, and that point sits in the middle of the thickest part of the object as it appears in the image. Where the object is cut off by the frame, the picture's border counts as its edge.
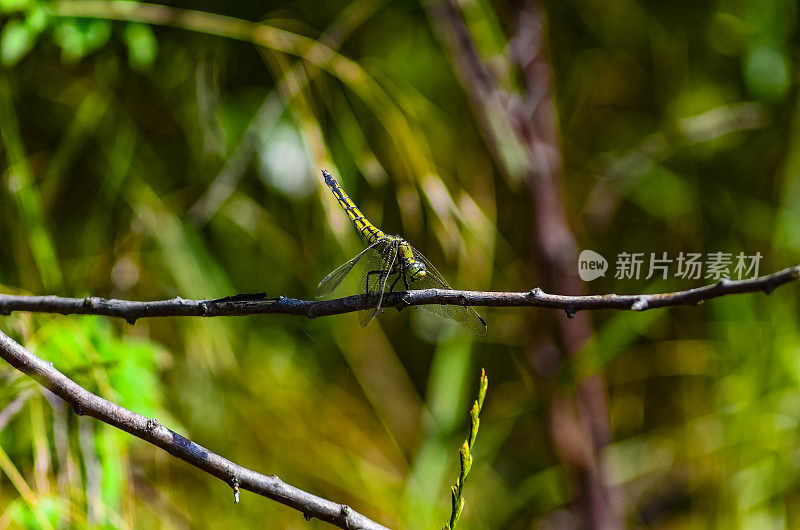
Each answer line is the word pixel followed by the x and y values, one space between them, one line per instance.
pixel 417 270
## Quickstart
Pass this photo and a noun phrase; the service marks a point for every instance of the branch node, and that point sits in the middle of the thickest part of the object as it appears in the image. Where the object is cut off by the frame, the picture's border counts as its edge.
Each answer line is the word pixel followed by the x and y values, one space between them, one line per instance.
pixel 235 486
pixel 152 425
pixel 769 288
pixel 307 516
pixel 345 513
pixel 722 283
pixel 130 320
pixel 204 308
pixel 570 311
pixel 404 302
pixel 536 293
pixel 93 301
pixel 78 408
pixel 641 304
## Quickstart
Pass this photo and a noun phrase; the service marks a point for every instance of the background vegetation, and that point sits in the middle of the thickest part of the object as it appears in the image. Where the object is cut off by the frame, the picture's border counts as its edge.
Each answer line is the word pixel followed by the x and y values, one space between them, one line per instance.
pixel 156 158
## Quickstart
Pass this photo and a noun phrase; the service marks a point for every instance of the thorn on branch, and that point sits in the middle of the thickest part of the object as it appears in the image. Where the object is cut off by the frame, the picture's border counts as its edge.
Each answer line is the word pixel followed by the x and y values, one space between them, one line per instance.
pixel 641 304
pixel 404 301
pixel 235 486
pixel 345 513
pixel 130 320
pixel 536 293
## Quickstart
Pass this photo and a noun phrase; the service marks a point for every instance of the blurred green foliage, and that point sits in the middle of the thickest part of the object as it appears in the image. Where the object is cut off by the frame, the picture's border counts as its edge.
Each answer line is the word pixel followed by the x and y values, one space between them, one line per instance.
pixel 146 156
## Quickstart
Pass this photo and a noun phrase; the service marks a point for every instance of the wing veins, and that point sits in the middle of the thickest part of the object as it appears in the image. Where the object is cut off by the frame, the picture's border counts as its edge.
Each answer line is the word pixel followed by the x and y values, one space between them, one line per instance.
pixel 332 280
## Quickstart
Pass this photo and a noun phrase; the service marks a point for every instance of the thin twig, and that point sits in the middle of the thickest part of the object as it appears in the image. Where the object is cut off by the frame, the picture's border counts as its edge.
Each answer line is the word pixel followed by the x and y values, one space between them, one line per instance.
pixel 150 430
pixel 255 304
pixel 524 121
pixel 465 454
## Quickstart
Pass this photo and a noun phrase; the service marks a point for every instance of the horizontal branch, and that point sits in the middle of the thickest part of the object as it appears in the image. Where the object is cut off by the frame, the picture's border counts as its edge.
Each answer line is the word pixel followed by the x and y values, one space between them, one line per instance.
pixel 259 303
pixel 150 430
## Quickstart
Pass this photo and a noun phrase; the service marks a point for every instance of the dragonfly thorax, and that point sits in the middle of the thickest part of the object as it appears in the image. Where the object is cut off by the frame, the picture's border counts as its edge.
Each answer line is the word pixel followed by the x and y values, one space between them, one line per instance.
pixel 413 268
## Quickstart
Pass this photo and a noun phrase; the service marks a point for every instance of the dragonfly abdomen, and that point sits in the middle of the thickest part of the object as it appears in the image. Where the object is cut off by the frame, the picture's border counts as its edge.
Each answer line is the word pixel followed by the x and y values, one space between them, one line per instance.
pixel 368 231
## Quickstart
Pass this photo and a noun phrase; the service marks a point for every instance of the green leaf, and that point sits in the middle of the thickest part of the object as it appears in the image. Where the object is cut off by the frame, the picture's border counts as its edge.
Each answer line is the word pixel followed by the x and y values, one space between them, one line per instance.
pixel 15 42
pixel 142 46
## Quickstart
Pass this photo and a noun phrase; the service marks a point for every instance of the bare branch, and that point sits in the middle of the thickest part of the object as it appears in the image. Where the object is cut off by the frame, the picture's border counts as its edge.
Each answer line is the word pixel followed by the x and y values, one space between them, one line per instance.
pixel 255 304
pixel 150 430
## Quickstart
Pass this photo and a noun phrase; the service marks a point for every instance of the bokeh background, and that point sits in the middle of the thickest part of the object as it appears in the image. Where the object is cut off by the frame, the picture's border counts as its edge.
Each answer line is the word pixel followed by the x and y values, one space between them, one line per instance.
pixel 149 152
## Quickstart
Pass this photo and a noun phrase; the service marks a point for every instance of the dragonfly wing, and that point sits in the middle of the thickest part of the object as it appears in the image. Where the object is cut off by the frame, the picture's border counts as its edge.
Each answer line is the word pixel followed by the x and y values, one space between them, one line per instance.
pixel 433 279
pixel 375 280
pixel 332 280
pixel 464 315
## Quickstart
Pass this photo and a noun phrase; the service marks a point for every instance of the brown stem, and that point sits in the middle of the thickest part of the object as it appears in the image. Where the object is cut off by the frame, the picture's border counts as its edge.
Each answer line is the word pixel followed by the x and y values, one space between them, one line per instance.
pixel 150 430
pixel 530 122
pixel 256 304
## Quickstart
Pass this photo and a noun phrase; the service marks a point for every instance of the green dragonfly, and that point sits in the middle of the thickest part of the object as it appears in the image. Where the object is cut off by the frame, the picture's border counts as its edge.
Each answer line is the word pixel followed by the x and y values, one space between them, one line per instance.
pixel 391 257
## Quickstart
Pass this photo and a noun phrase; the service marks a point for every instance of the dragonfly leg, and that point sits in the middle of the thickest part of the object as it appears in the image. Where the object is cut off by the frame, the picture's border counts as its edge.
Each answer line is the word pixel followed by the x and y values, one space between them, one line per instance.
pixel 370 273
pixel 391 289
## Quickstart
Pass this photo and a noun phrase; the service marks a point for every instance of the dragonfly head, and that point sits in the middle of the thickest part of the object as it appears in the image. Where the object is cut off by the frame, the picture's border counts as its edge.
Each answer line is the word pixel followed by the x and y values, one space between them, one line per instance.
pixel 416 270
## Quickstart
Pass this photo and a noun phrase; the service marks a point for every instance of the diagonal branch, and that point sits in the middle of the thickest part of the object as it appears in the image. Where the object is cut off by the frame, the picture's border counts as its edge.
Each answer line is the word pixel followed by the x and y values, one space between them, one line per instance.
pixel 150 430
pixel 256 304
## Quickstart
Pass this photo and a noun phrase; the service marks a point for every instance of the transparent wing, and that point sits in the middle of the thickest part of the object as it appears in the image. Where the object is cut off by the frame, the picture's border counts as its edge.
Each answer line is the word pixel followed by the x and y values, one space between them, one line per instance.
pixel 375 278
pixel 466 316
pixel 332 280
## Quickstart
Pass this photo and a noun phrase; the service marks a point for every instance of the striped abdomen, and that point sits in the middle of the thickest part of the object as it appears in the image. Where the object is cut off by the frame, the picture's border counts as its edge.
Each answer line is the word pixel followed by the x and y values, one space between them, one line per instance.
pixel 368 230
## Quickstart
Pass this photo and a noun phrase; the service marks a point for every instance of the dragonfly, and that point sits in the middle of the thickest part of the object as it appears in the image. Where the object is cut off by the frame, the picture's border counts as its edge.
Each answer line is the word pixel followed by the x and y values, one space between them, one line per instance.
pixel 389 260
